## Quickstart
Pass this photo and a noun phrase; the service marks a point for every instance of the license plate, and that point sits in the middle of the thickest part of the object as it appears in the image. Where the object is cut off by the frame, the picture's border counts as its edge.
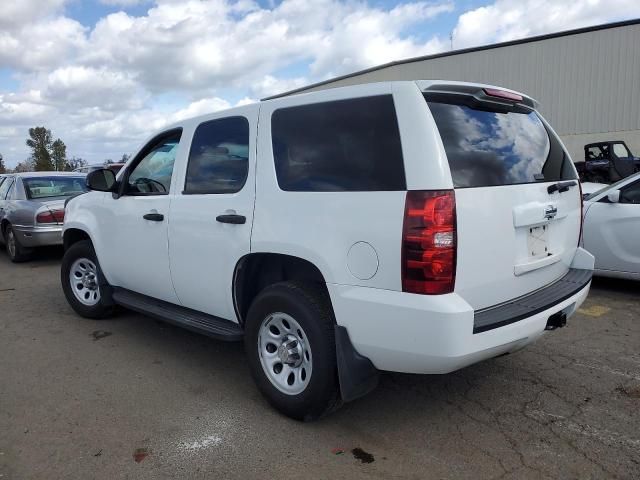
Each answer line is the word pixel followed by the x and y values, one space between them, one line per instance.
pixel 537 241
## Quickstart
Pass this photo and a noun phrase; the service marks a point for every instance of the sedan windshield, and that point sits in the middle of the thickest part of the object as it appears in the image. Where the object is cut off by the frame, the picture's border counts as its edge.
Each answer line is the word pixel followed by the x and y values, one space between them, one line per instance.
pixel 46 187
pixel 613 186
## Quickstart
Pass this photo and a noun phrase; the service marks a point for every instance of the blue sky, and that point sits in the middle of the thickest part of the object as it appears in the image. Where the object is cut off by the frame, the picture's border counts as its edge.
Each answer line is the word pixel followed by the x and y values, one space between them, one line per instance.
pixel 105 74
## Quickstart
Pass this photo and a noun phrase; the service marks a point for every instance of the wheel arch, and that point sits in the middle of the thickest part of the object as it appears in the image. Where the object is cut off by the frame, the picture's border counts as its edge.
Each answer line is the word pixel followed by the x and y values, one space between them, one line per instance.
pixel 3 225
pixel 74 235
pixel 256 271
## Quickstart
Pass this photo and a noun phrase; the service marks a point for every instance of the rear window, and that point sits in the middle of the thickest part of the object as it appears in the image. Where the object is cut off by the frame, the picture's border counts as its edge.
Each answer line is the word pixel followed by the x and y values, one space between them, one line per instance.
pixel 487 148
pixel 45 187
pixel 345 145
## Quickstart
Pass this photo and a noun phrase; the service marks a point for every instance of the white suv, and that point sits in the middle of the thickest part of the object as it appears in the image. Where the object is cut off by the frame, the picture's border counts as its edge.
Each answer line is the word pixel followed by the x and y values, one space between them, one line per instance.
pixel 405 226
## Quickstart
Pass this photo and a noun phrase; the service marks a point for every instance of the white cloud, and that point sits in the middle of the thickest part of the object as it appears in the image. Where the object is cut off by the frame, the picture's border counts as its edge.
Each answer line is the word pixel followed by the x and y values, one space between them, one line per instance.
pixel 87 86
pixel 200 107
pixel 18 12
pixel 123 3
pixel 506 20
pixel 103 89
pixel 41 45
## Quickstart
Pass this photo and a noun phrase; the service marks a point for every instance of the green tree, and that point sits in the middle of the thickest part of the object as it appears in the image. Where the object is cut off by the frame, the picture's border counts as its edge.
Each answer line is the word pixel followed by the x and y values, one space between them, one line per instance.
pixel 2 167
pixel 40 144
pixel 125 158
pixel 59 155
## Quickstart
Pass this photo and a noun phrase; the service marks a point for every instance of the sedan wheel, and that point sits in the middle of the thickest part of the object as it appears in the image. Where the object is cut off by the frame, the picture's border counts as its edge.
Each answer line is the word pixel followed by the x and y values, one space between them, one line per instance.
pixel 11 243
pixel 17 253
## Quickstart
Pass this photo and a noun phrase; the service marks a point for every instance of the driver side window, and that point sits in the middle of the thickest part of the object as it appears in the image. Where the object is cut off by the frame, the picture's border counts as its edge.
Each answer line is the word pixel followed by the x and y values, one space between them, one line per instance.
pixel 152 174
pixel 630 194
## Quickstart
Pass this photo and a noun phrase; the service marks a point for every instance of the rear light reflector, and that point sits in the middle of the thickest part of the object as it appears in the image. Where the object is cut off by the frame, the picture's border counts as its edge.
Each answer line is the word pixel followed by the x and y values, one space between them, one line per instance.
pixel 495 92
pixel 429 242
pixel 50 216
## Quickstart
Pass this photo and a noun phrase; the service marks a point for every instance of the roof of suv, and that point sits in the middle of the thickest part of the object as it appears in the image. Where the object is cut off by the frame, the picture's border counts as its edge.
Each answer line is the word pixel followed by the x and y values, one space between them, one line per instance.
pixel 422 85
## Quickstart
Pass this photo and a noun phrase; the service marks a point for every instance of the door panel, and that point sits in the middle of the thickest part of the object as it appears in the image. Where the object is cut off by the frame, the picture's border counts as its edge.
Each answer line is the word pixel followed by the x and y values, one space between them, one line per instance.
pixel 611 232
pixel 137 256
pixel 218 182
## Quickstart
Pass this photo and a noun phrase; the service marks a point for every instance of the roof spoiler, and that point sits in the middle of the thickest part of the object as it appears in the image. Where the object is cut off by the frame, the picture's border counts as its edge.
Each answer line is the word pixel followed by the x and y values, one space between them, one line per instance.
pixel 481 97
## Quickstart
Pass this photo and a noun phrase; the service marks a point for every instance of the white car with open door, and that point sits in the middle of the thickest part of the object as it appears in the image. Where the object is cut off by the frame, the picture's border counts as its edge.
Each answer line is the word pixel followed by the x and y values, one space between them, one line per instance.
pixel 611 229
pixel 406 226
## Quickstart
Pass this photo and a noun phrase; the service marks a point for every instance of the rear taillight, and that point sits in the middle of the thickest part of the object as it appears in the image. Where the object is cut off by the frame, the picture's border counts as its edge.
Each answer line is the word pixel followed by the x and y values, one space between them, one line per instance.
pixel 50 216
pixel 429 242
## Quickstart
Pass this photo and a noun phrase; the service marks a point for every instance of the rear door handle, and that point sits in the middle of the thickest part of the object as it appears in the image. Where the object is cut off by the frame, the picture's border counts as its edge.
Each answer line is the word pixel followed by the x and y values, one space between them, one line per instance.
pixel 232 218
pixel 561 186
pixel 154 217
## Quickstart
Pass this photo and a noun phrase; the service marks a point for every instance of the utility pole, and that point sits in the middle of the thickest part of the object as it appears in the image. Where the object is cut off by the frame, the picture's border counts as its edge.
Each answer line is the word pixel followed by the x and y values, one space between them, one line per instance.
pixel 451 39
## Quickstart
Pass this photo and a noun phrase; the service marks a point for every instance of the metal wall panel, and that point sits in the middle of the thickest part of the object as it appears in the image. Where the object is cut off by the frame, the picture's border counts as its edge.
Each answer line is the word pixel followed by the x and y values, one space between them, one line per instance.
pixel 586 83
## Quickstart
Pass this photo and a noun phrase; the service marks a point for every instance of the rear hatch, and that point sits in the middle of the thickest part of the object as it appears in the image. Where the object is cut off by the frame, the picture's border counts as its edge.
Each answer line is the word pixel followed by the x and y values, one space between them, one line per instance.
pixel 518 202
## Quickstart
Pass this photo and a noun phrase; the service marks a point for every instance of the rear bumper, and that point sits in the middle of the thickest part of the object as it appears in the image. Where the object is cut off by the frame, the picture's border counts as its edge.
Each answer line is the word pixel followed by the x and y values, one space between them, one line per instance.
pixel 36 236
pixel 410 333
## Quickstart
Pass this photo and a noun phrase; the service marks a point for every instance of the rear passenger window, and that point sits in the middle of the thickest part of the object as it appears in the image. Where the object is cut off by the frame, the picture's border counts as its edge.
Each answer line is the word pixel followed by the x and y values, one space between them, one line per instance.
pixel 4 188
pixel 345 145
pixel 219 157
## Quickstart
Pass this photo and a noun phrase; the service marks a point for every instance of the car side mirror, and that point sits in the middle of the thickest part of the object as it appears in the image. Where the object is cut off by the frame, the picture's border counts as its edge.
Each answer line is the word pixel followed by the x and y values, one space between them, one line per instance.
pixel 103 180
pixel 614 197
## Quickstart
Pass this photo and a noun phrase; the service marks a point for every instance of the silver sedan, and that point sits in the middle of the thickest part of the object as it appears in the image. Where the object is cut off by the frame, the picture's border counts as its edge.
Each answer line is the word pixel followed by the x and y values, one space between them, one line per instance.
pixel 32 209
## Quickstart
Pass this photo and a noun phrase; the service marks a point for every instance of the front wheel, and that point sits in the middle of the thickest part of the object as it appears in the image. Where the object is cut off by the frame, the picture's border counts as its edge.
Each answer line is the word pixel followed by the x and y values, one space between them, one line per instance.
pixel 83 284
pixel 290 344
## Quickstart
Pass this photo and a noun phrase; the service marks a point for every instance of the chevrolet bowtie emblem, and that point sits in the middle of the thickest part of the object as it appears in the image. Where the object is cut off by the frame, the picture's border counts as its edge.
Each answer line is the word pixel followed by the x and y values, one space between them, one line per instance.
pixel 550 212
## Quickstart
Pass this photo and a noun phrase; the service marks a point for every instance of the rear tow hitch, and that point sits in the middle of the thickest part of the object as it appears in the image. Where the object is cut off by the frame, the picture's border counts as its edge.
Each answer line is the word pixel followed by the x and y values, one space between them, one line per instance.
pixel 557 320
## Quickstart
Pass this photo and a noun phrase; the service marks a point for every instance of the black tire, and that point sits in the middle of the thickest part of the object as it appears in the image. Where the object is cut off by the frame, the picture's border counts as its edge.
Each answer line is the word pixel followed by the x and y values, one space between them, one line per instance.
pixel 105 307
pixel 16 252
pixel 309 305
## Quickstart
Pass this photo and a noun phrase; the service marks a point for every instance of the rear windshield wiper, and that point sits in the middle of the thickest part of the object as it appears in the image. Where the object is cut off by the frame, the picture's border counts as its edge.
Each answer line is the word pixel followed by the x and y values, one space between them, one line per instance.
pixel 561 186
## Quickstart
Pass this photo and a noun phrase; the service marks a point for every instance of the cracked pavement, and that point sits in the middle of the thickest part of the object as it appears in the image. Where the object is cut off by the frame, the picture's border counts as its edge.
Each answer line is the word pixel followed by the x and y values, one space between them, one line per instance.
pixel 134 398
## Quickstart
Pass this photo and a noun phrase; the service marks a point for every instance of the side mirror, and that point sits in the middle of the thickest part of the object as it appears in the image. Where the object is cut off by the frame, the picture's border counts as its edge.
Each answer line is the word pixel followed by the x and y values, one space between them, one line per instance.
pixel 103 180
pixel 614 197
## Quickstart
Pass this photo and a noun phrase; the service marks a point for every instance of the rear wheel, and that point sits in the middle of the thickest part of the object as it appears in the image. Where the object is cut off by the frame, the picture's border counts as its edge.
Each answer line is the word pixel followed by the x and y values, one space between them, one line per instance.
pixel 83 284
pixel 17 253
pixel 290 344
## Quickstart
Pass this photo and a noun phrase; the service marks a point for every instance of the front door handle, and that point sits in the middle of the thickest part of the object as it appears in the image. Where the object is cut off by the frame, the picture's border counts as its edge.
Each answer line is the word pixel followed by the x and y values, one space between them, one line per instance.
pixel 154 217
pixel 232 218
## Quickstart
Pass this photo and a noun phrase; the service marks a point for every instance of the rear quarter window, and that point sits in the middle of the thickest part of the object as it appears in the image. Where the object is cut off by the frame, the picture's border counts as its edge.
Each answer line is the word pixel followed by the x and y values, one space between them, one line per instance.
pixel 487 148
pixel 345 145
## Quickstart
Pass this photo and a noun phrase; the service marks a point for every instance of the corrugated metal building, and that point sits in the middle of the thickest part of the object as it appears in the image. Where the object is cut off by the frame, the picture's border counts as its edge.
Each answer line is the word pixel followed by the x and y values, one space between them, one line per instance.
pixel 587 80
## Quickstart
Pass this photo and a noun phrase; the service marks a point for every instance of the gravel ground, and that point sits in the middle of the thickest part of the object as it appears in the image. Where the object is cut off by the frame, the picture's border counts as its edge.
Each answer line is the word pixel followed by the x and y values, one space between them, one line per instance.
pixel 135 398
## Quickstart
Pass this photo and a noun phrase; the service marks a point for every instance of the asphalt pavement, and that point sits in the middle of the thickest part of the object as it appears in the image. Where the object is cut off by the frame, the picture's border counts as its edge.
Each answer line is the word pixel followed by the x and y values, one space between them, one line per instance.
pixel 131 397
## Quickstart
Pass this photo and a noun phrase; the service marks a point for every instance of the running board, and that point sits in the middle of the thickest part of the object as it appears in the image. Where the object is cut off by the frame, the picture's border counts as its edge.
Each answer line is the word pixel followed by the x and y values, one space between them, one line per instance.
pixel 184 317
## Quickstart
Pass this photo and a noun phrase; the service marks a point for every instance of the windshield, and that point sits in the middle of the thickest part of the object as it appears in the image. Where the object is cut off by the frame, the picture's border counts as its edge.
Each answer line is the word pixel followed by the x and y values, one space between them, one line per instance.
pixel 489 148
pixel 46 187
pixel 612 186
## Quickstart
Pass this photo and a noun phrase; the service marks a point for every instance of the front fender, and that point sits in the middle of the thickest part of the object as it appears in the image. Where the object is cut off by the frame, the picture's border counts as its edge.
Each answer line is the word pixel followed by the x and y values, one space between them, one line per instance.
pixel 82 214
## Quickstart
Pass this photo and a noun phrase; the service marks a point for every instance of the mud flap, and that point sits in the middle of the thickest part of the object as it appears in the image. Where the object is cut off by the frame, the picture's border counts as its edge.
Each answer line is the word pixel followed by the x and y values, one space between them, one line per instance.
pixel 357 375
